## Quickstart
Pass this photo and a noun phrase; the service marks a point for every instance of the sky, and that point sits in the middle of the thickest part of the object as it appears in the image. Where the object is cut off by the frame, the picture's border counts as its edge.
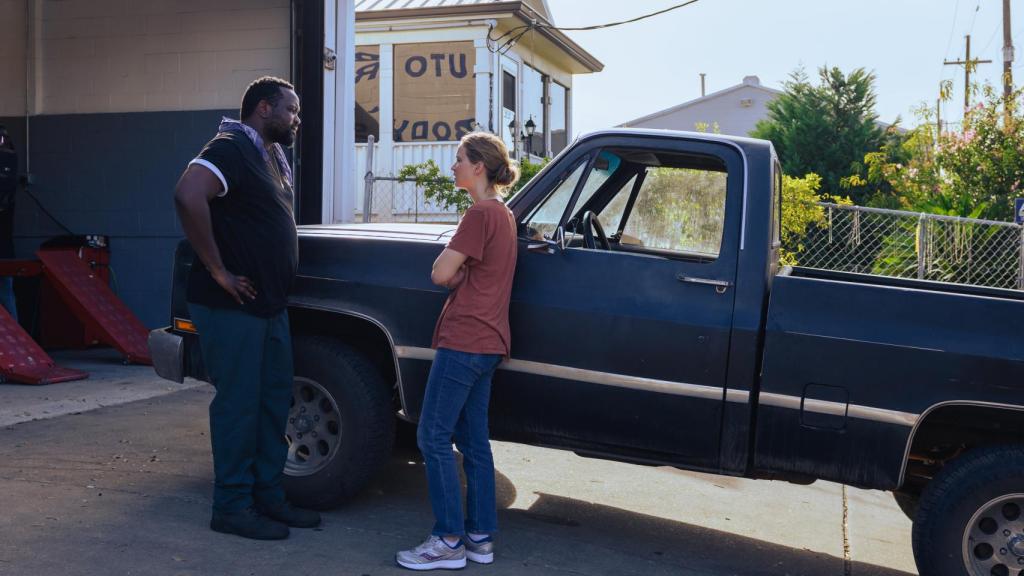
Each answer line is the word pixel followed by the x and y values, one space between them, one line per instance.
pixel 656 63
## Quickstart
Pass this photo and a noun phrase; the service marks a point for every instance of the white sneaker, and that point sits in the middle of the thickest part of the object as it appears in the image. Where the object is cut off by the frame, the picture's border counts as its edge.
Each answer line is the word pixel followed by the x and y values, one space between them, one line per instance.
pixel 433 554
pixel 479 551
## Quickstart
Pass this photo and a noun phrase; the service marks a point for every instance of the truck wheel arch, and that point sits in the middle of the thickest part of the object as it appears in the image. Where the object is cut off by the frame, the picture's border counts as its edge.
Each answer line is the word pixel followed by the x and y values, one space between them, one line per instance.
pixel 364 333
pixel 947 429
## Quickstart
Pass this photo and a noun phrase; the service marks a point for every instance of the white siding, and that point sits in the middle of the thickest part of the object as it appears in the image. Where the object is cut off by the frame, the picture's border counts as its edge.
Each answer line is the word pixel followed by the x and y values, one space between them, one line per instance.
pixel 736 112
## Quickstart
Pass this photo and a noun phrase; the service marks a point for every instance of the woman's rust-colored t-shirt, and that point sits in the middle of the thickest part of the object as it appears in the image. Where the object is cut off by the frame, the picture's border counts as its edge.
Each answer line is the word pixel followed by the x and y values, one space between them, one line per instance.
pixel 475 316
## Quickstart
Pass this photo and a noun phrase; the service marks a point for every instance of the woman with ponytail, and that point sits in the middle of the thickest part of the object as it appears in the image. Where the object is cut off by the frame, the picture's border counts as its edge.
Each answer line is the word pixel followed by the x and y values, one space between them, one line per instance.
pixel 471 338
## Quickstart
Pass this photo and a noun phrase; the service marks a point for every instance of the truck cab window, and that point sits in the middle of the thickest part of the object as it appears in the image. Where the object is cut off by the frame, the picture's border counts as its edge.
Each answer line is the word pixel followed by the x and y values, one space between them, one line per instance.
pixel 678 207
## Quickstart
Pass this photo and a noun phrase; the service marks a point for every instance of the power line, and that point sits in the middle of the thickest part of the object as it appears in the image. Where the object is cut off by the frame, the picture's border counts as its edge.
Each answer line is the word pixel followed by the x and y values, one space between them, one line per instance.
pixel 977 7
pixel 969 64
pixel 513 35
pixel 630 21
pixel 952 28
pixel 949 42
pixel 998 27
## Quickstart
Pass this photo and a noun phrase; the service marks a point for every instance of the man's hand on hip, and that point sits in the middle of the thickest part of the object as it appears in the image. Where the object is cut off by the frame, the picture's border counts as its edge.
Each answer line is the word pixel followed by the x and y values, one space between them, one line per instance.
pixel 237 286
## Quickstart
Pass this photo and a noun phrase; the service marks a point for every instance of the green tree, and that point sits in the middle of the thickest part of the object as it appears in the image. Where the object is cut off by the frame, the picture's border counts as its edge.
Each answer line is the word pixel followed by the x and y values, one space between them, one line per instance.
pixel 825 129
pixel 441 191
pixel 974 173
pixel 527 170
pixel 801 212
pixel 437 189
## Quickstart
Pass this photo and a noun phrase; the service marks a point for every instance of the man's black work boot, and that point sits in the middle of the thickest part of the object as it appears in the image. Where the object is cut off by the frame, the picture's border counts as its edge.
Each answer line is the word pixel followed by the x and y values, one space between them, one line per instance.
pixel 293 516
pixel 248 523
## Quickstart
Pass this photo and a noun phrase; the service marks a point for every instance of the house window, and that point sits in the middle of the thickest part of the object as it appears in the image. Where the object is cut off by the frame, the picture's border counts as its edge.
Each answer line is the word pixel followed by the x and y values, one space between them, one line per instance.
pixel 434 91
pixel 559 117
pixel 367 92
pixel 532 110
pixel 508 110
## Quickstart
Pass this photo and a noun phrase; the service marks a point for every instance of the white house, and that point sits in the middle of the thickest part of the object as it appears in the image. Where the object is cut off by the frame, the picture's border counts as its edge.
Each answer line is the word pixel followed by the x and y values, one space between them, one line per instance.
pixel 431 71
pixel 735 110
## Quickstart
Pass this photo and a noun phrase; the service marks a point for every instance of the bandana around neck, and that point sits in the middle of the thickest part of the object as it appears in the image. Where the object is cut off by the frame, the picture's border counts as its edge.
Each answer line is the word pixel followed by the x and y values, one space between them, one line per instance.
pixel 231 125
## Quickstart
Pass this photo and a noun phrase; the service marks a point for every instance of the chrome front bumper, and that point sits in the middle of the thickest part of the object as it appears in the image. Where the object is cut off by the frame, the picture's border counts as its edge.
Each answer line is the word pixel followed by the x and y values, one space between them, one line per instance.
pixel 168 353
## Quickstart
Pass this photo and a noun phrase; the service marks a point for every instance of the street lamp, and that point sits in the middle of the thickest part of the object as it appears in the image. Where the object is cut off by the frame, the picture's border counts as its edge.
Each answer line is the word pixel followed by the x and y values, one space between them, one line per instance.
pixel 512 135
pixel 531 126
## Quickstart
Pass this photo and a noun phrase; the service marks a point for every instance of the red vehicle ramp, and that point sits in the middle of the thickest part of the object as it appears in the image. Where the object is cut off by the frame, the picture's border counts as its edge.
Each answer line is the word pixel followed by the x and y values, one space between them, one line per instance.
pixel 22 360
pixel 95 304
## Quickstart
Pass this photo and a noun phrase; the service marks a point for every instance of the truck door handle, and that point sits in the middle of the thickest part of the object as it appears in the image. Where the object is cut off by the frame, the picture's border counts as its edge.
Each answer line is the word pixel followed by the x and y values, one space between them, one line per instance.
pixel 720 285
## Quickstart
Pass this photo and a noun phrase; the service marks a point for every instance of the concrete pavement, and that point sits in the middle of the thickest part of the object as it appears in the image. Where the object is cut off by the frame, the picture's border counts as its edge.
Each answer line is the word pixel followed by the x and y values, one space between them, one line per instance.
pixel 125 489
pixel 110 382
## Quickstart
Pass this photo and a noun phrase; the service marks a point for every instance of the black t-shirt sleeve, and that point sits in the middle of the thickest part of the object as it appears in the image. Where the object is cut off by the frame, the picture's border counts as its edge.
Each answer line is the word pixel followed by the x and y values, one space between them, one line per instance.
pixel 225 156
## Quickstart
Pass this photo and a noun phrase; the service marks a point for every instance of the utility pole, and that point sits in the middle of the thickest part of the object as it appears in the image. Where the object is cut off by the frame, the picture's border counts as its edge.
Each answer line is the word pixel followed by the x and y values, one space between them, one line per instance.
pixel 968 65
pixel 1007 66
pixel 702 83
pixel 938 120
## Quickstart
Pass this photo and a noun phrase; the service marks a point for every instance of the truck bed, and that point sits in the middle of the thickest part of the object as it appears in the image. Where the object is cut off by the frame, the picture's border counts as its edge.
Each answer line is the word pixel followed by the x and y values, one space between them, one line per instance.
pixel 930 285
pixel 853 362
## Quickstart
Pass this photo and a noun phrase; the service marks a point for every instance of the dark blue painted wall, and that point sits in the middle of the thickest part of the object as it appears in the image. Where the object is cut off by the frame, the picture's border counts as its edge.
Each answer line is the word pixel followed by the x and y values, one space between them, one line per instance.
pixel 16 130
pixel 114 174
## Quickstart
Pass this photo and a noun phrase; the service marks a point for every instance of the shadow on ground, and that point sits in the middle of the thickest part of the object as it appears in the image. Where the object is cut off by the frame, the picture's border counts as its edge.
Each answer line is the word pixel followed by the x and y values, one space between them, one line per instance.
pixel 593 538
pixel 126 490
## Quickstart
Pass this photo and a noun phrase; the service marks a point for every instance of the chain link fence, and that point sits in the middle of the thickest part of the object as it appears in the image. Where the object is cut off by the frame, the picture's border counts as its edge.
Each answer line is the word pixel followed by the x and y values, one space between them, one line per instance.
pixel 391 199
pixel 911 245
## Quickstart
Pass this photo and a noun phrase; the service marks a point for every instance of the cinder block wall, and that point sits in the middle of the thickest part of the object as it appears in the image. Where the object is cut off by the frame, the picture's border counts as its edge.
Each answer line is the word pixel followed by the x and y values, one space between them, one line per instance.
pixel 121 94
pixel 13 67
pixel 101 56
pixel 13 31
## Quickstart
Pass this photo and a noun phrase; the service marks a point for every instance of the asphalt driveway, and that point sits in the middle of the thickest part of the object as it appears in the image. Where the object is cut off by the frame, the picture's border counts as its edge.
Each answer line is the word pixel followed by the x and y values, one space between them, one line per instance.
pixel 125 489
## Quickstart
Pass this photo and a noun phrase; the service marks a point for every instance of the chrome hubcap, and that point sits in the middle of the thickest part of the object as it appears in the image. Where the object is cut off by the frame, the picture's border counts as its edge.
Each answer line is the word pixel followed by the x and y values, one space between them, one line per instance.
pixel 1017 546
pixel 993 543
pixel 314 428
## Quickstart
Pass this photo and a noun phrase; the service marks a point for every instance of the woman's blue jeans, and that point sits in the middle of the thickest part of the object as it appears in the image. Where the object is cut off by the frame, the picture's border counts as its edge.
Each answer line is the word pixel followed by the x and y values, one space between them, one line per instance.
pixel 455 407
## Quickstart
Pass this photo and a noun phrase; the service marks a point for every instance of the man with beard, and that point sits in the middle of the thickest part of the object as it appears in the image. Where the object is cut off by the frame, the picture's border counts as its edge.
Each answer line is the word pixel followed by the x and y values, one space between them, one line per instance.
pixel 235 203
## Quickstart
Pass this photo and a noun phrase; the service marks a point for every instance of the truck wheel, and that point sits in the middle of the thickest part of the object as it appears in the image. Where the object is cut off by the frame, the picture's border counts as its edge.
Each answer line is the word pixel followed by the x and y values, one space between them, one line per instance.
pixel 970 521
pixel 405 436
pixel 340 424
pixel 908 503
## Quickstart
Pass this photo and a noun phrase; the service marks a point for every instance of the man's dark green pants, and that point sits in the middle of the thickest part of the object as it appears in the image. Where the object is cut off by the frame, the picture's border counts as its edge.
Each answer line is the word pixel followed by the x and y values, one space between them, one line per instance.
pixel 249 361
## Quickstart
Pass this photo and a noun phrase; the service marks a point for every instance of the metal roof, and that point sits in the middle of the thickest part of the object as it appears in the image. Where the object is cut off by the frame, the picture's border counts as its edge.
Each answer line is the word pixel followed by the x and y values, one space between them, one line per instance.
pixel 524 11
pixel 540 6
pixel 748 82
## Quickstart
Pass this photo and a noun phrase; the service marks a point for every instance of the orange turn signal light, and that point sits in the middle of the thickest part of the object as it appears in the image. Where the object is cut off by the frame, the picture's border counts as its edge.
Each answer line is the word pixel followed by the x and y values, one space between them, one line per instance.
pixel 182 325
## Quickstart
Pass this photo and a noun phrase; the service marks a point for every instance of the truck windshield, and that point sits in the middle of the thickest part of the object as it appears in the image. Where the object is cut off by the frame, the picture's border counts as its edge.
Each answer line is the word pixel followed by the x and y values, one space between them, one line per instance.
pixel 545 218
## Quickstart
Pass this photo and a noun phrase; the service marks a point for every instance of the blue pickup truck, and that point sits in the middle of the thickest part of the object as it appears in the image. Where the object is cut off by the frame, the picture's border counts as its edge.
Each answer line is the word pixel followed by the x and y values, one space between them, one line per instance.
pixel 652 323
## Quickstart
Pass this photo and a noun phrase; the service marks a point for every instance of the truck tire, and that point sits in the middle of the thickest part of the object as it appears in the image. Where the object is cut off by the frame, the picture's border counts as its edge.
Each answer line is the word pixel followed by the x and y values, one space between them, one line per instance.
pixel 340 425
pixel 908 503
pixel 405 436
pixel 970 520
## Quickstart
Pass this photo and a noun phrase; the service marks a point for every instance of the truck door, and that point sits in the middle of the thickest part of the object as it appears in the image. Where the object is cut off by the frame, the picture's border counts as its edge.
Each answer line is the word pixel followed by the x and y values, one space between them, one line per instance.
pixel 620 339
